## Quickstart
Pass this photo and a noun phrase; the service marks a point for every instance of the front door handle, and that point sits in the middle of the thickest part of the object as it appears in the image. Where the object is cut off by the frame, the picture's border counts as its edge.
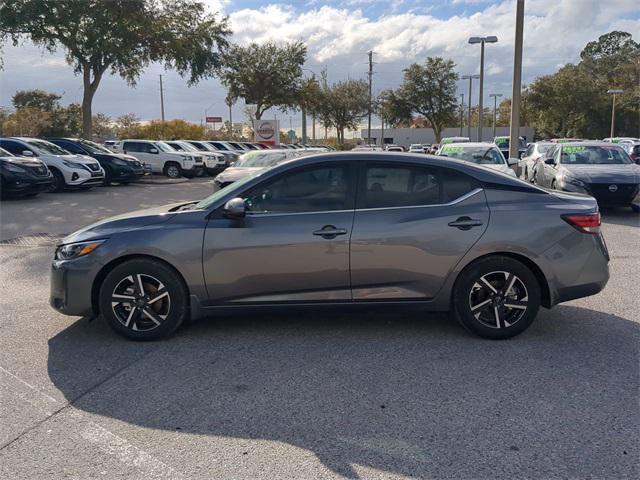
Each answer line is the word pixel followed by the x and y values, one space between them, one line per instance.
pixel 465 223
pixel 330 231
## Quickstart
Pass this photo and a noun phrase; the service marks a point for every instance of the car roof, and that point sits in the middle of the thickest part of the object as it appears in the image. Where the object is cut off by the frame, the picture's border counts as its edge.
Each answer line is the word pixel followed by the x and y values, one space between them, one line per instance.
pixel 589 143
pixel 470 144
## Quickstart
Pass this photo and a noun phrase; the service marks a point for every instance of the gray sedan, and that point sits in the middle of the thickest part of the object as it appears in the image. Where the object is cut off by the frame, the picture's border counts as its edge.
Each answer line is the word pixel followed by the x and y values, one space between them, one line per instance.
pixel 349 229
pixel 600 169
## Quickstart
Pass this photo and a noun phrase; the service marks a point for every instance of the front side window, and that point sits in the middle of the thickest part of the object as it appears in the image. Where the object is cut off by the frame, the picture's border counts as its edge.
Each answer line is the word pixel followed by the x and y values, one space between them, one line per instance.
pixel 404 186
pixel 133 147
pixel 177 146
pixel 313 189
pixel 46 147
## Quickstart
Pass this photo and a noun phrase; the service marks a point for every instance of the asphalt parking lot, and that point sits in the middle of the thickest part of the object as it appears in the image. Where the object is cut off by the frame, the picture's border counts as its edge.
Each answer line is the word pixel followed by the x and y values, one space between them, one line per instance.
pixel 367 395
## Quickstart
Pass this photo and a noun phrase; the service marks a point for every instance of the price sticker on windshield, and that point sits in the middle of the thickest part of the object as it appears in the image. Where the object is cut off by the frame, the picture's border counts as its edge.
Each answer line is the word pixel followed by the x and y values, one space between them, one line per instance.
pixel 502 142
pixel 573 149
pixel 453 151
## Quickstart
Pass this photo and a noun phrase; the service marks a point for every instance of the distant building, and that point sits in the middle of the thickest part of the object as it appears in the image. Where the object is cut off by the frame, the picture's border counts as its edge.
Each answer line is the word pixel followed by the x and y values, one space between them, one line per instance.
pixel 407 136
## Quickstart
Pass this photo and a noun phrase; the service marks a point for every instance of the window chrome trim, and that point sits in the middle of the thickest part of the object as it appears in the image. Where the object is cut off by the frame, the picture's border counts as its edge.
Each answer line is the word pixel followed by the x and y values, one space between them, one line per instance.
pixel 453 202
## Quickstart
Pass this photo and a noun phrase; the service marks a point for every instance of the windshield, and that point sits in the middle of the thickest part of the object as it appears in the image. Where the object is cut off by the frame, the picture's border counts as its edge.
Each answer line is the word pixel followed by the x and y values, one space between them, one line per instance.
pixel 164 147
pixel 219 146
pixel 260 159
pixel 211 199
pixel 186 146
pixel 544 148
pixel 200 146
pixel 46 147
pixel 237 146
pixel 177 146
pixel 94 147
pixel 481 155
pixel 583 155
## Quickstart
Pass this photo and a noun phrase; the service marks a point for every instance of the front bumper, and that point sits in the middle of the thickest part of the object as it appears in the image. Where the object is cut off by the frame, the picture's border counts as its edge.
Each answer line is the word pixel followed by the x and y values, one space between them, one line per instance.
pixel 71 285
pixel 610 194
pixel 127 173
pixel 17 183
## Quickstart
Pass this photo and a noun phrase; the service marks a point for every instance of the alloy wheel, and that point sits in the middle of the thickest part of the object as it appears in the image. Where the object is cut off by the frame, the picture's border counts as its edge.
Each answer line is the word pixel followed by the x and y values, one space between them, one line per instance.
pixel 173 171
pixel 498 299
pixel 140 302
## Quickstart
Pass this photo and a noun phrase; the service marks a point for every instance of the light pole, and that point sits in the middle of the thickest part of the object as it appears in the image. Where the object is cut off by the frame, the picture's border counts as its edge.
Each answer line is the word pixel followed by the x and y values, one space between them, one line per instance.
pixel 481 41
pixel 613 109
pixel 470 78
pixel 516 84
pixel 461 112
pixel 495 97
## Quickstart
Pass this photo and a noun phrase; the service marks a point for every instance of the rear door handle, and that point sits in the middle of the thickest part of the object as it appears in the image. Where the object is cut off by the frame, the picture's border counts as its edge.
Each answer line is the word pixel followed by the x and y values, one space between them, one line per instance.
pixel 330 231
pixel 465 223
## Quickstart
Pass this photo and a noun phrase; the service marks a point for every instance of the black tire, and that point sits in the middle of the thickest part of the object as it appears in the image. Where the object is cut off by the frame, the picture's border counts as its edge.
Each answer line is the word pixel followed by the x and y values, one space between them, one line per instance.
pixel 173 170
pixel 471 291
pixel 635 208
pixel 148 321
pixel 3 194
pixel 108 177
pixel 58 184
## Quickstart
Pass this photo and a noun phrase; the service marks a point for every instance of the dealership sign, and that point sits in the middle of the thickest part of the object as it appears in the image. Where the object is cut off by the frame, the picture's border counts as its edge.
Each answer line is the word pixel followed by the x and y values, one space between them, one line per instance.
pixel 266 131
pixel 214 119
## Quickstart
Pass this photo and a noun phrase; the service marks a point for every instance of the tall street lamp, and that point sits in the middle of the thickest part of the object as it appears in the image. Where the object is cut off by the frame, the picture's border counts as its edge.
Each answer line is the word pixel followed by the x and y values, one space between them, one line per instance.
pixel 613 109
pixel 481 41
pixel 461 112
pixel 495 97
pixel 470 78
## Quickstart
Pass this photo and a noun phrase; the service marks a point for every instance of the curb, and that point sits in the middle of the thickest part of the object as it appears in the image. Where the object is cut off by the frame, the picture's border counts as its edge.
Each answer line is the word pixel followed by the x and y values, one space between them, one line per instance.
pixel 161 180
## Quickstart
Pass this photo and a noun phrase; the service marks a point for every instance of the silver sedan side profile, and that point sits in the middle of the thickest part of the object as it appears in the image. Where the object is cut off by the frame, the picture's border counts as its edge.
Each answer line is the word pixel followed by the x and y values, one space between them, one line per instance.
pixel 347 229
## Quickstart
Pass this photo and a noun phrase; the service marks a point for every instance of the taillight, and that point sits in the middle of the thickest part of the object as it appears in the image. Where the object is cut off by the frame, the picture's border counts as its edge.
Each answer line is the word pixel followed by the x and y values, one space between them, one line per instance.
pixel 586 223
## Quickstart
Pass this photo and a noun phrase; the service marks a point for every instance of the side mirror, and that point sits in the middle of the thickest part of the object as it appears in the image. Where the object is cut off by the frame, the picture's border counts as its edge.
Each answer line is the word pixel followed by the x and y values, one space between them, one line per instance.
pixel 27 153
pixel 235 208
pixel 153 150
pixel 549 161
pixel 512 161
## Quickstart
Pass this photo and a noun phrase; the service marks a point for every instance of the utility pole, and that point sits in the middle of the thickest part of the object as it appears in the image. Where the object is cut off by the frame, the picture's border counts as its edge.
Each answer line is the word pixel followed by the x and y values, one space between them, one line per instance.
pixel 313 127
pixel 370 98
pixel 304 125
pixel 230 121
pixel 162 107
pixel 613 110
pixel 461 112
pixel 470 78
pixel 514 132
pixel 495 100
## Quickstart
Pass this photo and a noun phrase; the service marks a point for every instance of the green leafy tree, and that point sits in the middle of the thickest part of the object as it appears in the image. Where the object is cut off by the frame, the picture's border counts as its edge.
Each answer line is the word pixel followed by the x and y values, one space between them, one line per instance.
pixel 36 99
pixel 392 109
pixel 265 75
pixel 119 36
pixel 430 90
pixel 344 105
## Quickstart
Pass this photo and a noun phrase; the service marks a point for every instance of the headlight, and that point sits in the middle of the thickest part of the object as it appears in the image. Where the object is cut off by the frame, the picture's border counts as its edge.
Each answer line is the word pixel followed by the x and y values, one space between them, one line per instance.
pixel 14 168
pixel 74 250
pixel 73 165
pixel 187 158
pixel 574 181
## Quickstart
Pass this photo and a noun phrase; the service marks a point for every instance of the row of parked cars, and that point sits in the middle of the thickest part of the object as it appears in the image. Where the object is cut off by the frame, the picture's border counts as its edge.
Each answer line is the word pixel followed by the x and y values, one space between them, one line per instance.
pixel 29 166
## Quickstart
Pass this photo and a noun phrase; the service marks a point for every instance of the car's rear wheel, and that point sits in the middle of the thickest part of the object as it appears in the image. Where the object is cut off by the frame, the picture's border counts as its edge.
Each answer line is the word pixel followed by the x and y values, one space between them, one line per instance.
pixel 496 297
pixel 143 300
pixel 58 183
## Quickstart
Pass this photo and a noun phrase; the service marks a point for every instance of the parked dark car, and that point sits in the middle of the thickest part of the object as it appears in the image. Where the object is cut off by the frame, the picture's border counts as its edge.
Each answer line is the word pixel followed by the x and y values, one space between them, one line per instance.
pixel 118 167
pixel 602 170
pixel 23 176
pixel 349 229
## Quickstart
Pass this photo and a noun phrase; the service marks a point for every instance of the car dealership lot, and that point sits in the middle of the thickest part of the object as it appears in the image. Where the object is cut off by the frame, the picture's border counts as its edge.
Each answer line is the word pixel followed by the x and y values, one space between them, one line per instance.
pixel 369 395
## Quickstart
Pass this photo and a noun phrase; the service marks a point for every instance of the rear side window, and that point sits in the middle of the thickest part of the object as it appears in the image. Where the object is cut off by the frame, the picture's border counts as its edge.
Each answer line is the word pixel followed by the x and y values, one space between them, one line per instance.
pixel 13 147
pixel 403 186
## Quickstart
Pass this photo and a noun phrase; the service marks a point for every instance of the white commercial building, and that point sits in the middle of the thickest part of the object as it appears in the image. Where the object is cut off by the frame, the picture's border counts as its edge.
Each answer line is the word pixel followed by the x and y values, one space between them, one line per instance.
pixel 407 136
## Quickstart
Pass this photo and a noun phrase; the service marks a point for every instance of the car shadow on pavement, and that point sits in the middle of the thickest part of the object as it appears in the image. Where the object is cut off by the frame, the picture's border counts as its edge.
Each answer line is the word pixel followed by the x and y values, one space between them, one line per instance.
pixel 403 394
pixel 620 216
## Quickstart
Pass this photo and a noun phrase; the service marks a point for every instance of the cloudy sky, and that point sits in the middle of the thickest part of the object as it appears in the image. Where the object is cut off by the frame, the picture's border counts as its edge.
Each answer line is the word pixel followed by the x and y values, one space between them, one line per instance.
pixel 339 33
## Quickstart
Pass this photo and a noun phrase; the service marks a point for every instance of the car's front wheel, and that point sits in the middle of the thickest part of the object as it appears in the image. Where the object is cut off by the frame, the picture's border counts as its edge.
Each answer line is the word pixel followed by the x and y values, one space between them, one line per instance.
pixel 496 297
pixel 173 170
pixel 143 299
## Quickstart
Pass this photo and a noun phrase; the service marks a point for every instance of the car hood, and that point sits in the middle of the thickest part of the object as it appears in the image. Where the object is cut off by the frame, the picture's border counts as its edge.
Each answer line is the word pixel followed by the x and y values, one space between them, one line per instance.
pixel 26 161
pixel 232 174
pixel 75 158
pixel 127 221
pixel 604 173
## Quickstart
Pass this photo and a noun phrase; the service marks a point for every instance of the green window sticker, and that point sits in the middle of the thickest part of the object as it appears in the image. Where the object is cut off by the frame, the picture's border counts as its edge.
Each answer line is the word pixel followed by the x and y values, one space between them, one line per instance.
pixel 501 142
pixel 447 140
pixel 453 151
pixel 573 149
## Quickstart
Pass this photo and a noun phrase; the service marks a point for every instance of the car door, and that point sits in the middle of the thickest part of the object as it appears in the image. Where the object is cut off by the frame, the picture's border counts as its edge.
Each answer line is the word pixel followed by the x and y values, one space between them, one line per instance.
pixel 141 150
pixel 412 225
pixel 292 245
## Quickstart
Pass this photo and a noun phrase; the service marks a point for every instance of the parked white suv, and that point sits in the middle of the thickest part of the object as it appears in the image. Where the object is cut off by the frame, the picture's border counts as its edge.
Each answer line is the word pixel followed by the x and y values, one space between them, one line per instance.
pixel 69 170
pixel 162 158
pixel 213 162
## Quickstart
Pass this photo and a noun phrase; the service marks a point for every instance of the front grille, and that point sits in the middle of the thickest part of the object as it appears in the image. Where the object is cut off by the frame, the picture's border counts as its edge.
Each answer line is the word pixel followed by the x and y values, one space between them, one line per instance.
pixel 93 166
pixel 198 159
pixel 96 174
pixel 623 194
